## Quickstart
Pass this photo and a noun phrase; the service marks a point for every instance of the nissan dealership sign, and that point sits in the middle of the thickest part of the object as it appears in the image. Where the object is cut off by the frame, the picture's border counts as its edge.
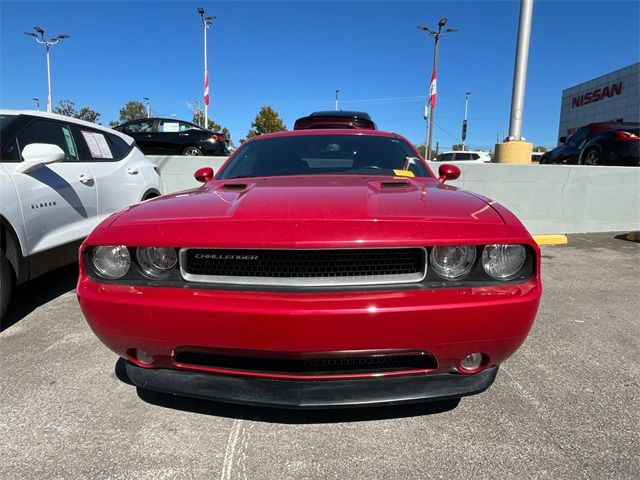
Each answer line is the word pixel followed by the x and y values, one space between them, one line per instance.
pixel 597 95
pixel 613 97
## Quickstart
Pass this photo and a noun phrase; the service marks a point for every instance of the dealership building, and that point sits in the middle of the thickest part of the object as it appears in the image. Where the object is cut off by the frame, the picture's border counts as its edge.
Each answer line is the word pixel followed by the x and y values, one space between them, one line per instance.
pixel 614 97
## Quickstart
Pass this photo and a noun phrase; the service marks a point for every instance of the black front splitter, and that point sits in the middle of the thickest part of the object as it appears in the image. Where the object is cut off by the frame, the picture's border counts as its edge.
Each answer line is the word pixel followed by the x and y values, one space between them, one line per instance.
pixel 313 394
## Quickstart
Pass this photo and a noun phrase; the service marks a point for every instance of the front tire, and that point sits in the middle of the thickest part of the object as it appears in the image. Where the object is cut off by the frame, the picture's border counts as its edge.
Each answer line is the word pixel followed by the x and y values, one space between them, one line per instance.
pixel 592 157
pixel 6 285
pixel 192 152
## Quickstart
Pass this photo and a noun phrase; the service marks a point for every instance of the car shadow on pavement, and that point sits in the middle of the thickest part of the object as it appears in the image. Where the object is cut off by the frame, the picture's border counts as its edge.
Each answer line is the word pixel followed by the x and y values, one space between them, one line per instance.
pixel 281 415
pixel 35 293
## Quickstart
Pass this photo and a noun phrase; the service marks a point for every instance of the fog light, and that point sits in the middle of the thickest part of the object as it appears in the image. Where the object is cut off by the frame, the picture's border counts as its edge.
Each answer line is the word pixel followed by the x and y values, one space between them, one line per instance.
pixel 471 362
pixel 143 357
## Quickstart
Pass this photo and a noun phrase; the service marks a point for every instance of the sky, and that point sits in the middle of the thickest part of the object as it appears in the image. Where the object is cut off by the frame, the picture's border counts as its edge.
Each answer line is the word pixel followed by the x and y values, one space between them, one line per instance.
pixel 293 55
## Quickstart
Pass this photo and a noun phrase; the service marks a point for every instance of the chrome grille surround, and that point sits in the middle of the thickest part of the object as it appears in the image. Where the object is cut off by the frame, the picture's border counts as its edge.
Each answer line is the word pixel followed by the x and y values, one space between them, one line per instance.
pixel 303 281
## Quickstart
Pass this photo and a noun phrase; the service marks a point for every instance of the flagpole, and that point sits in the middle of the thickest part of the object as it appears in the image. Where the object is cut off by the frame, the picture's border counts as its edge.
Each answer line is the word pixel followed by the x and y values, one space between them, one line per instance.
pixel 433 85
pixel 206 80
pixel 432 97
pixel 206 22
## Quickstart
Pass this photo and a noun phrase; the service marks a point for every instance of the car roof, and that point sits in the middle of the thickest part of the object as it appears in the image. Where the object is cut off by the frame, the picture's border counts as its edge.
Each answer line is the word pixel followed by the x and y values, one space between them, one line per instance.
pixel 172 119
pixel 55 116
pixel 341 113
pixel 165 119
pixel 327 131
pixel 464 151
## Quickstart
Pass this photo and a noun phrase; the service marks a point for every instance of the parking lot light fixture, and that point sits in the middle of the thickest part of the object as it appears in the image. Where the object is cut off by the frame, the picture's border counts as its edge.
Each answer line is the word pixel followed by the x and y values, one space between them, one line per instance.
pixel 436 34
pixel 37 100
pixel 148 106
pixel 48 44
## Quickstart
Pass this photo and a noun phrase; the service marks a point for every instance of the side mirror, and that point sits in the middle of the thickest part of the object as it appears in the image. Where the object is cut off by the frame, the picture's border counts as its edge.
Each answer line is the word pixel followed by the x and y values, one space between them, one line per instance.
pixel 448 172
pixel 562 139
pixel 37 155
pixel 204 174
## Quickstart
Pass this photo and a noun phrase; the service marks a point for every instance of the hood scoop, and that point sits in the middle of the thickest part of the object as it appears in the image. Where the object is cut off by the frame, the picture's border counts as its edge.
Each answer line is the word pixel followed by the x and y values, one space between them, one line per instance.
pixel 233 187
pixel 393 185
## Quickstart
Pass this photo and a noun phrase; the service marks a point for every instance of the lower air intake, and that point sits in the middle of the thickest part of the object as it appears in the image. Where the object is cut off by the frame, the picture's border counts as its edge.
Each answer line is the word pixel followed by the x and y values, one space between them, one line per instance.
pixel 311 366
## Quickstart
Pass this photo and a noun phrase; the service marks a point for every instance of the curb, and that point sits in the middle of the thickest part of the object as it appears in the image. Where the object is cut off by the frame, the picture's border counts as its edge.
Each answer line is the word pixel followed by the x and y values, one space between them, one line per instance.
pixel 633 236
pixel 551 239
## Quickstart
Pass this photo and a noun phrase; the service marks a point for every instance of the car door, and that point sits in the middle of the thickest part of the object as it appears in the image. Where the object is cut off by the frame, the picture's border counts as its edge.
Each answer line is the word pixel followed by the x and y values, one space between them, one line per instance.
pixel 144 133
pixel 169 137
pixel 120 181
pixel 58 201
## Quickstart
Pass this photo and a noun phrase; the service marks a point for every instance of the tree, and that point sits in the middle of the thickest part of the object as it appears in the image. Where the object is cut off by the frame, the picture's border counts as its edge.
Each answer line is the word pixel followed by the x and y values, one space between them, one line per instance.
pixel 89 115
pixel 68 108
pixel 423 149
pixel 267 121
pixel 198 119
pixel 133 110
pixel 540 148
pixel 456 147
pixel 65 107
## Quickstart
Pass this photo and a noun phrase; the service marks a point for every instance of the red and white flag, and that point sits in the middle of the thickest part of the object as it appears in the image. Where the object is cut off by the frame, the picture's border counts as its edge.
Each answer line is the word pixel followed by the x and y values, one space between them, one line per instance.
pixel 433 90
pixel 206 88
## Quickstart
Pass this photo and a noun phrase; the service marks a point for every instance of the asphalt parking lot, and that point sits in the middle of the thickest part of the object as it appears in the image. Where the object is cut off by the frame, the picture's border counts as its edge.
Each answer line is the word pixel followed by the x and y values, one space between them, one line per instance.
pixel 565 406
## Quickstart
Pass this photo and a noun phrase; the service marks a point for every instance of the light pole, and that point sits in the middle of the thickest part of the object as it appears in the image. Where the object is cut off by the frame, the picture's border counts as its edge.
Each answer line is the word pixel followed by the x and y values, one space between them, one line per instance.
pixel 37 100
pixel 432 87
pixel 337 92
pixel 520 70
pixel 47 43
pixel 148 106
pixel 206 22
pixel 464 121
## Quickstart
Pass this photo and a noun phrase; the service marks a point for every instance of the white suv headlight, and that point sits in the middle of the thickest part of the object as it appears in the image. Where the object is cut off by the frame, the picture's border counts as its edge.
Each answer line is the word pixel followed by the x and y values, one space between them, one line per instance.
pixel 111 262
pixel 503 262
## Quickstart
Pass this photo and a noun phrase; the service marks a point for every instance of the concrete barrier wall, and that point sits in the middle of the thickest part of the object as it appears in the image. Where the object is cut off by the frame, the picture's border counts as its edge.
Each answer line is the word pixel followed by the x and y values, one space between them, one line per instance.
pixel 559 198
pixel 177 171
pixel 547 198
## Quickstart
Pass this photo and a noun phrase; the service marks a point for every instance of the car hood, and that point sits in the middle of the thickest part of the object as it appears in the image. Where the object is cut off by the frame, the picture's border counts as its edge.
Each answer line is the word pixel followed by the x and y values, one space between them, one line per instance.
pixel 315 198
pixel 312 212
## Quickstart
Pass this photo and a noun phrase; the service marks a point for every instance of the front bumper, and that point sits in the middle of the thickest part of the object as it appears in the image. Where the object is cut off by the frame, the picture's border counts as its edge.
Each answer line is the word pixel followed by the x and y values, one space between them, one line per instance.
pixel 377 391
pixel 447 324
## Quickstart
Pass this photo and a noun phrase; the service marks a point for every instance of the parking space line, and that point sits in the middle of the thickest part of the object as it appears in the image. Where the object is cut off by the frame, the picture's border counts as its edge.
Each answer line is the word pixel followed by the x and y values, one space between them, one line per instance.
pixel 550 239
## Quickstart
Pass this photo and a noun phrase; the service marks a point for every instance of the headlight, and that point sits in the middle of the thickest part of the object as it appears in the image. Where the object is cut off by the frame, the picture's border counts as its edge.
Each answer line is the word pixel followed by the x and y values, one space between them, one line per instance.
pixel 111 262
pixel 453 262
pixel 503 262
pixel 157 262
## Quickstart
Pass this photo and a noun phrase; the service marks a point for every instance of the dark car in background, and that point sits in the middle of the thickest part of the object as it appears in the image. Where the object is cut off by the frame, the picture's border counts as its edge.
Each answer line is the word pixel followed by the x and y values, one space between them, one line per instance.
pixel 336 119
pixel 169 136
pixel 598 144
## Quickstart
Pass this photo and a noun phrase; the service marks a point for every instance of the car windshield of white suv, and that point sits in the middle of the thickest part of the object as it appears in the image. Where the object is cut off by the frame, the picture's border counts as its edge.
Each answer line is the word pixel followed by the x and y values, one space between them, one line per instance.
pixel 325 155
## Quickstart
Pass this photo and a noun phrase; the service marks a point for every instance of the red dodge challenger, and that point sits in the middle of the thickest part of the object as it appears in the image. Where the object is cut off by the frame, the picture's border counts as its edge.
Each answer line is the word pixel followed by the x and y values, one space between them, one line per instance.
pixel 318 268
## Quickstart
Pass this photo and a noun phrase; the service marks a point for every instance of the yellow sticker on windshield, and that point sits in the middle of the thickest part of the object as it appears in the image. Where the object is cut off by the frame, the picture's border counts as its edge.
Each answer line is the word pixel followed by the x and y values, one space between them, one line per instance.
pixel 403 173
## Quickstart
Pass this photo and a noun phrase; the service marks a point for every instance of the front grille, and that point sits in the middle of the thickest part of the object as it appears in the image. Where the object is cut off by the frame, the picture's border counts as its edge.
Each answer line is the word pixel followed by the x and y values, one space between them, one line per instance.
pixel 304 267
pixel 311 366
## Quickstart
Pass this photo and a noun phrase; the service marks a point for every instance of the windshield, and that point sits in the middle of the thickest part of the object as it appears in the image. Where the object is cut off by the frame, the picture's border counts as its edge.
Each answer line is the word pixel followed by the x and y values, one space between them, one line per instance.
pixel 325 154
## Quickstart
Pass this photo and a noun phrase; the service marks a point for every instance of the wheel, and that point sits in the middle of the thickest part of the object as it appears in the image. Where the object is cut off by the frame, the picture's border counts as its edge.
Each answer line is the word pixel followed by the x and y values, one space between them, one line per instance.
pixel 192 152
pixel 592 157
pixel 6 285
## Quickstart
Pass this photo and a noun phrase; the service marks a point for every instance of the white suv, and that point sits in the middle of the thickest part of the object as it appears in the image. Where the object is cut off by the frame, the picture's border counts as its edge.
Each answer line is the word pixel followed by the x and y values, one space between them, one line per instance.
pixel 466 156
pixel 59 177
